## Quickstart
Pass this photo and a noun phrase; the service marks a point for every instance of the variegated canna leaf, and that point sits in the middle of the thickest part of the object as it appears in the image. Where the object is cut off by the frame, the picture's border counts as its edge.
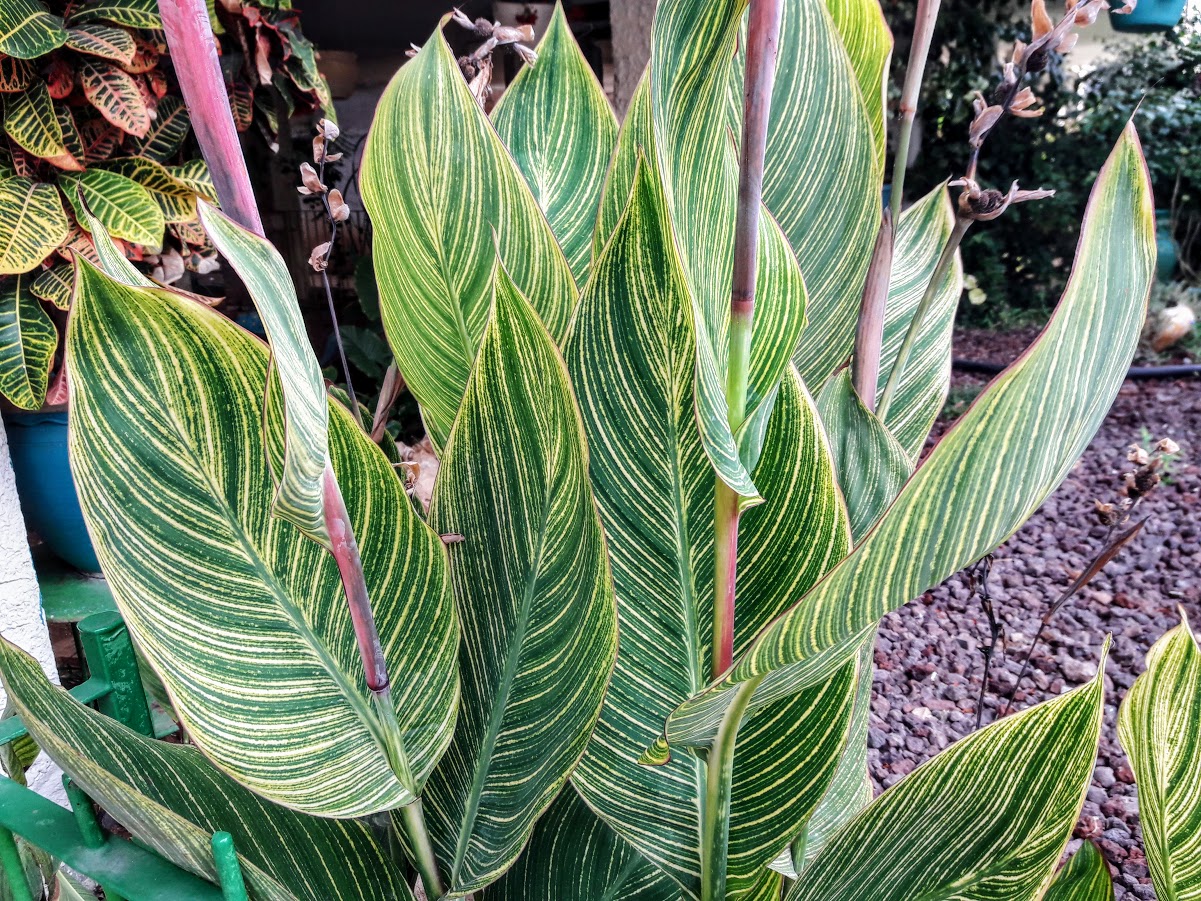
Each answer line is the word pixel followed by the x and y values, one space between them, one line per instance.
pixel 872 466
pixel 54 285
pixel 558 124
pixel 868 43
pixel 122 206
pixel 632 363
pixel 603 867
pixel 28 340
pixel 1159 725
pixel 104 41
pixel 32 223
pixel 299 496
pixel 32 124
pixel 987 818
pixel 824 193
pixel 979 484
pixel 130 13
pixel 1083 878
pixel 534 594
pixel 240 614
pixel 114 93
pixel 173 799
pixel 167 132
pixel 109 257
pixel 445 194
pixel 690 80
pixel 28 30
pixel 922 389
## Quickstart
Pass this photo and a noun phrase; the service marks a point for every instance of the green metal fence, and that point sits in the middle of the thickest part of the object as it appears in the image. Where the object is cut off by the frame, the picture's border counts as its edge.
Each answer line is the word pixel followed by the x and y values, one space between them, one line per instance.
pixel 124 869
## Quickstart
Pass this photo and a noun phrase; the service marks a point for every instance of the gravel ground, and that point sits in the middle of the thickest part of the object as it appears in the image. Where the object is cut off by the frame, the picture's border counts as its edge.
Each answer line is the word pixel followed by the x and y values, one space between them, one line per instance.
pixel 928 658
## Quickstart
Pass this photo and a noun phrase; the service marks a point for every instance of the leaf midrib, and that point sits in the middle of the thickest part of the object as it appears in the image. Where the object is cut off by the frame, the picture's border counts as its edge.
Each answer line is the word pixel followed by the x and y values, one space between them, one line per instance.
pixel 501 698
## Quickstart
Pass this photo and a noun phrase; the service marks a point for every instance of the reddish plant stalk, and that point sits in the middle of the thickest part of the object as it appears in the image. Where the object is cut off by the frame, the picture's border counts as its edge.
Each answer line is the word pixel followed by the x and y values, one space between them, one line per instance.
pixel 194 55
pixel 763 36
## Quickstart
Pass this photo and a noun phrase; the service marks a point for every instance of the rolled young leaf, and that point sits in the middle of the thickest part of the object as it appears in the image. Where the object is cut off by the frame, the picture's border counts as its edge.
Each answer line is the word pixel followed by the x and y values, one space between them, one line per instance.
pixel 987 818
pixel 32 223
pixel 574 855
pixel 241 615
pixel 28 339
pixel 1083 878
pixel 534 593
pixel 444 194
pixel 558 124
pixel 990 472
pixel 632 363
pixel 1159 725
pixel 172 799
pixel 299 498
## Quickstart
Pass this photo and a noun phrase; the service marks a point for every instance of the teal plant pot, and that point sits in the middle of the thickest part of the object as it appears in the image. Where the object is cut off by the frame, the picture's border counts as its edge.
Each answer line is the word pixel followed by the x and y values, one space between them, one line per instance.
pixel 1149 16
pixel 1166 249
pixel 37 443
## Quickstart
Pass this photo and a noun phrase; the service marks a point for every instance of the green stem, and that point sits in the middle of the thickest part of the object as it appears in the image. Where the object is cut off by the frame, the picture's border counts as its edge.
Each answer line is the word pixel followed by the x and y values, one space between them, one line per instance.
pixel 919 50
pixel 923 308
pixel 422 849
pixel 715 837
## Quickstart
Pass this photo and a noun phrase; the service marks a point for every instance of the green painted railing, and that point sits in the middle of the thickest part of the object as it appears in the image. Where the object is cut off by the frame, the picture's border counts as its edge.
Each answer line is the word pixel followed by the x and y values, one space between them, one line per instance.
pixel 125 870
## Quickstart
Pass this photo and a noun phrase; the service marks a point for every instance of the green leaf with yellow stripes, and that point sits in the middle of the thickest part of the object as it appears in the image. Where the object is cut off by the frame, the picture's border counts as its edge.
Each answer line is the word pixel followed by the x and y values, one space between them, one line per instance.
pixel 167 131
pixel 825 193
pixel 176 200
pixel 634 140
pixel 922 390
pixel 1159 725
pixel 122 206
pixel 987 818
pixel 172 799
pixel 558 125
pixel 130 13
pixel 1083 878
pixel 54 285
pixel 28 30
pixel 32 124
pixel 868 43
pixel 195 174
pixel 603 866
pixel 989 473
pixel 534 593
pixel 28 340
pixel 240 614
pixel 104 41
pixel 32 223
pixel 689 85
pixel 444 195
pixel 299 496
pixel 632 362
pixel 109 257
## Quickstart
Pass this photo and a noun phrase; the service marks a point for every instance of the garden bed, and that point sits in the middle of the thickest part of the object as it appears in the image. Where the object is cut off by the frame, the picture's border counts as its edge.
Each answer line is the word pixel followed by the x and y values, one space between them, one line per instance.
pixel 928 658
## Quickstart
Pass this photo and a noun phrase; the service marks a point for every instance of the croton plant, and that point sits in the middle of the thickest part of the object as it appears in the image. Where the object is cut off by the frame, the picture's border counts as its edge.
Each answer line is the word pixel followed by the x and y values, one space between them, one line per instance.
pixel 626 652
pixel 92 117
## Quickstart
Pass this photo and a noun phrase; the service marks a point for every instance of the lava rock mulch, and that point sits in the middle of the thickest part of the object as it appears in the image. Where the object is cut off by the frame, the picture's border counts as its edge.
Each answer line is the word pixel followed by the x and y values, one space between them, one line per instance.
pixel 929 661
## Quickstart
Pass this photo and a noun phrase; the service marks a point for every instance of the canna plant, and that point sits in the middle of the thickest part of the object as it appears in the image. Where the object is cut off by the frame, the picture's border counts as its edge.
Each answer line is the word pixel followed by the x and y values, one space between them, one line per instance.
pixel 626 652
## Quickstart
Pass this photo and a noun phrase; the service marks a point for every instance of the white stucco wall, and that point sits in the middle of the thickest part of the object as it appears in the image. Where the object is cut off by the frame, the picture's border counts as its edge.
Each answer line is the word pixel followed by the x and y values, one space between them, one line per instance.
pixel 21 620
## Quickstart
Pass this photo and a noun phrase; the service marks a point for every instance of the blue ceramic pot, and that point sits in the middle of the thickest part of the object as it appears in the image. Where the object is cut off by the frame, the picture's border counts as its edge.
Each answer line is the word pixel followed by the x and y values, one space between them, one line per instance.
pixel 1148 16
pixel 38 445
pixel 1166 249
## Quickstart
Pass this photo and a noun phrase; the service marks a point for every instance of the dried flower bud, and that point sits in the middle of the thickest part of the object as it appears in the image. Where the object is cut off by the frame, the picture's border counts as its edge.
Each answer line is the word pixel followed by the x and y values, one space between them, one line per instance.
pixel 1087 14
pixel 1167 446
pixel 319 259
pixel 312 184
pixel 412 51
pixel 1019 50
pixel 328 129
pixel 452 538
pixel 509 35
pixel 1126 9
pixel 984 205
pixel 1107 514
pixel 1137 455
pixel 528 56
pixel 1145 480
pixel 1068 43
pixel 1070 5
pixel 1040 20
pixel 983 123
pixel 461 19
pixel 338 208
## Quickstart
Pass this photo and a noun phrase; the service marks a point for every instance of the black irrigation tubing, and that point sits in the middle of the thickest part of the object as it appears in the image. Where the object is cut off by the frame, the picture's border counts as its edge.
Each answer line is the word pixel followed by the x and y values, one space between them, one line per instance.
pixel 1135 372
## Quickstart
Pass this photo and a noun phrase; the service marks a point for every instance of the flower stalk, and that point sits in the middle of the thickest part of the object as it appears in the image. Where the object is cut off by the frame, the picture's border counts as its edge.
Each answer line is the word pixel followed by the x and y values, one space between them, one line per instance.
pixel 919 52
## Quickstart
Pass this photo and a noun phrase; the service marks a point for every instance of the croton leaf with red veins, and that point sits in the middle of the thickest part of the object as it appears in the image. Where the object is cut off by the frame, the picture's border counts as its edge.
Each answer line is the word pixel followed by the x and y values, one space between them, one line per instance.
pixel 16 74
pixel 116 95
